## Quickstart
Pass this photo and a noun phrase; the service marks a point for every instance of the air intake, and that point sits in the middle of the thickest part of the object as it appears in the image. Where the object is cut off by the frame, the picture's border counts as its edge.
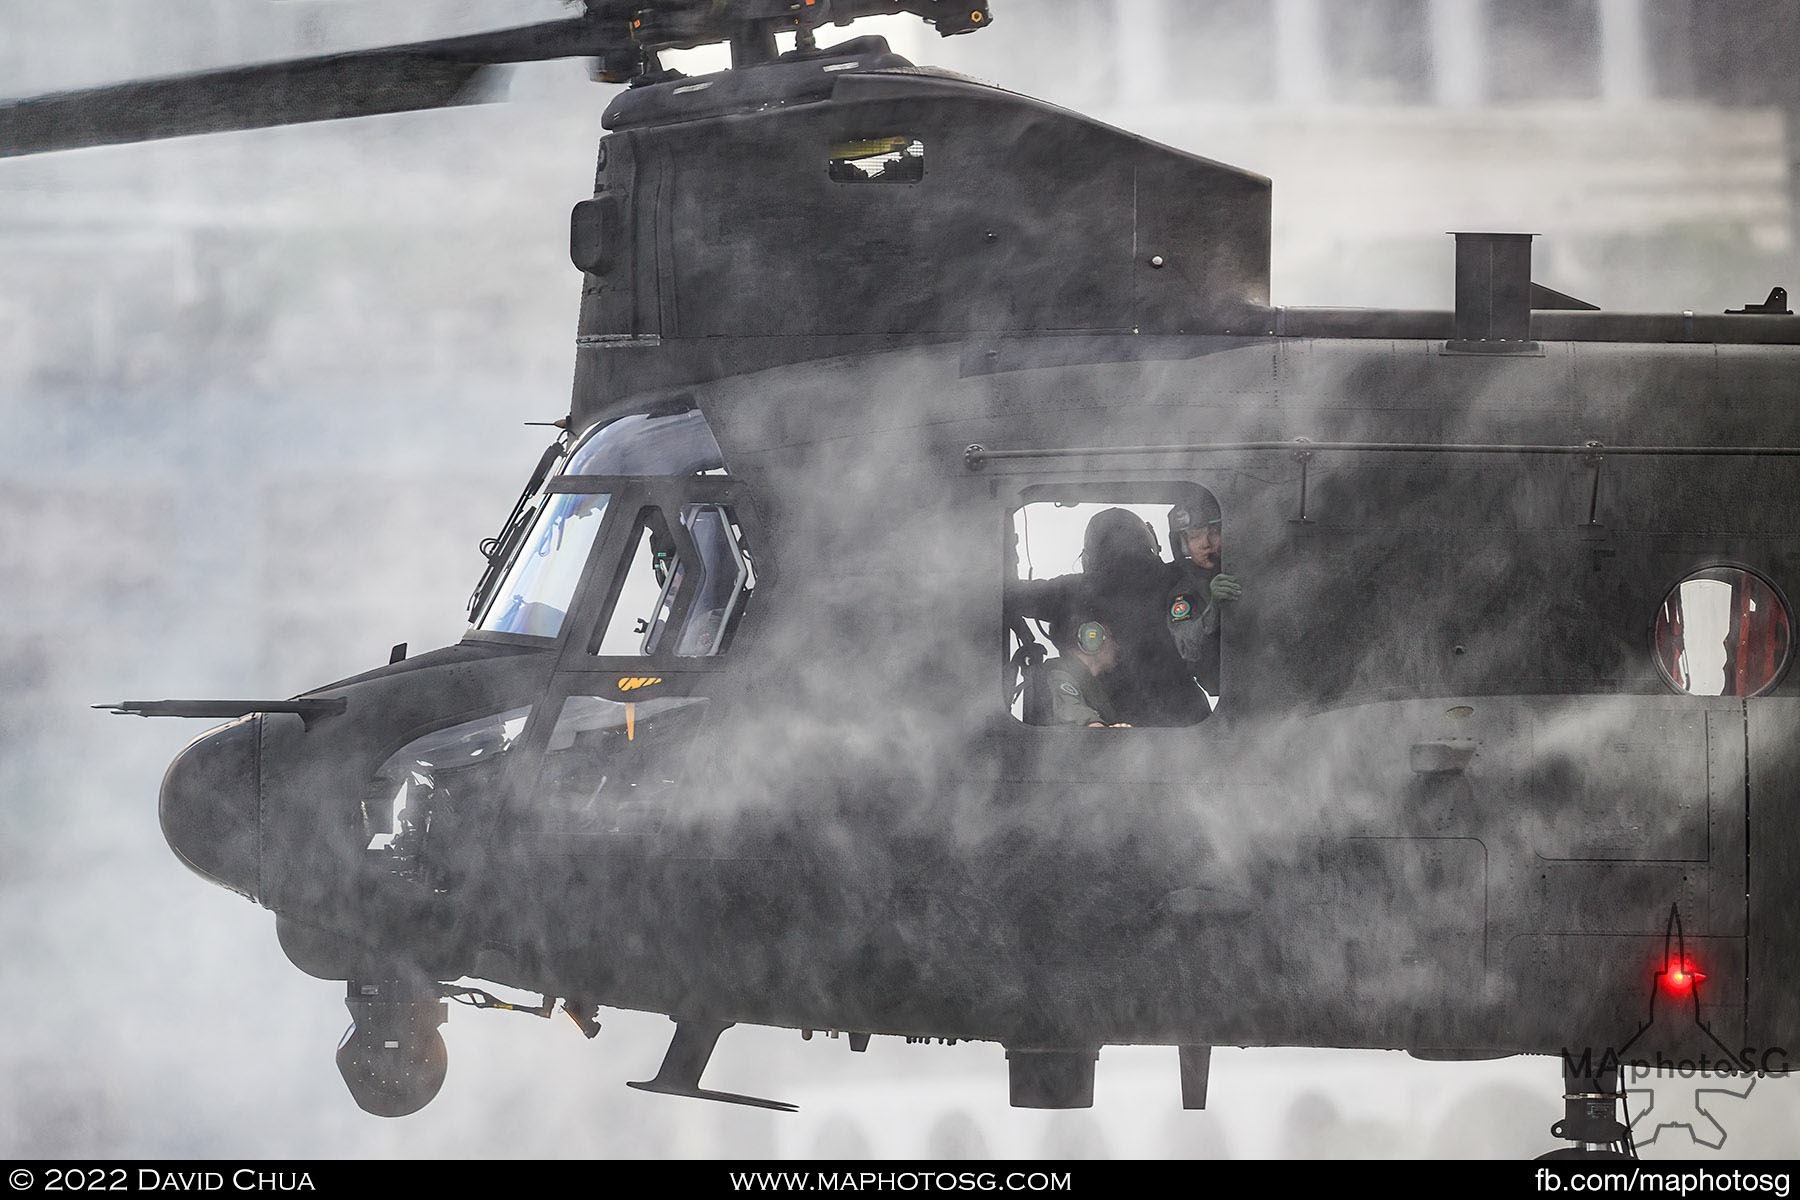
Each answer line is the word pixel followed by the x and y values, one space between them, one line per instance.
pixel 1493 294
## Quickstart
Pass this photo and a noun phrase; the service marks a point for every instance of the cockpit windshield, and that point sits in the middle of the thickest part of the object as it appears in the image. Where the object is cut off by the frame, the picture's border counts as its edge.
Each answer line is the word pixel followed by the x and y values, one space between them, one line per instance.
pixel 534 596
pixel 550 539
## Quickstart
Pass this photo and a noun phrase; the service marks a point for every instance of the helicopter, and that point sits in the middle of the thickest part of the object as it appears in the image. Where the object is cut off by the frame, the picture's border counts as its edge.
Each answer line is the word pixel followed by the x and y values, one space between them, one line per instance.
pixel 740 671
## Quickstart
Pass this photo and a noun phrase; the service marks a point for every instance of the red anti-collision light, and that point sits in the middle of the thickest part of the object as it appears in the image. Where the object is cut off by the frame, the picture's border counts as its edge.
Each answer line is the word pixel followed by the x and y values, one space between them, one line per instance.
pixel 1680 976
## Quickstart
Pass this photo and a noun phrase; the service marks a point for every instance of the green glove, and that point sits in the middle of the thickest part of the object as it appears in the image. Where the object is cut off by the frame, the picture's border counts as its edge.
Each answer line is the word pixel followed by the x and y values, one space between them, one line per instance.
pixel 1224 587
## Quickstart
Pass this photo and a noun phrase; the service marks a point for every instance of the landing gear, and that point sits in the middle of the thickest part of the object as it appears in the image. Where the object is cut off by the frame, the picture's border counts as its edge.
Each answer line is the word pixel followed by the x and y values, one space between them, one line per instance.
pixel 686 1058
pixel 1591 1118
pixel 393 1058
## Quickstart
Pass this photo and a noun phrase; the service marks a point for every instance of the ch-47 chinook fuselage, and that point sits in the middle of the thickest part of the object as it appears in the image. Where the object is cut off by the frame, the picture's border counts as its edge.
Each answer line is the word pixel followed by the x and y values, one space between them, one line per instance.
pixel 731 734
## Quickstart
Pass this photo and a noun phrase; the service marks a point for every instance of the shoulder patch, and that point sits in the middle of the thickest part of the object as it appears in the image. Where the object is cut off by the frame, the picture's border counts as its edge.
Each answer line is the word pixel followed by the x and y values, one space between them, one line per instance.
pixel 1181 609
pixel 1068 689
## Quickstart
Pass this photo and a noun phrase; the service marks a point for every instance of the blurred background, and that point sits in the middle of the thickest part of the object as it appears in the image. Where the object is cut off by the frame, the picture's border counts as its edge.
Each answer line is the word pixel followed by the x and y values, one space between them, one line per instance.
pixel 265 392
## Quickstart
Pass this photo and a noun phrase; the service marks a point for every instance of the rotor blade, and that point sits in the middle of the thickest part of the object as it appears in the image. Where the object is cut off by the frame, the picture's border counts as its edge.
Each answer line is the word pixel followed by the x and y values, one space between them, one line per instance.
pixel 422 75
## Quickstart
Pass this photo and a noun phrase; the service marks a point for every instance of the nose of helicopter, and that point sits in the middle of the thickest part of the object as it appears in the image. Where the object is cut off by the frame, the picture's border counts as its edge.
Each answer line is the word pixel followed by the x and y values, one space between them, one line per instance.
pixel 209 806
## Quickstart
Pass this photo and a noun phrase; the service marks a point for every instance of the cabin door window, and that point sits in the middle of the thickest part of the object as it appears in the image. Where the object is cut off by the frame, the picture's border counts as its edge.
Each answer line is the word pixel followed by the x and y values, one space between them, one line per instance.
pixel 1116 600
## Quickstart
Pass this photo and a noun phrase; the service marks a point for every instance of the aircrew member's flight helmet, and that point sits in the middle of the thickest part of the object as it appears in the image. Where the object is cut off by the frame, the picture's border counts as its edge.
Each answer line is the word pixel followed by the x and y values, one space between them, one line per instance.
pixel 1184 517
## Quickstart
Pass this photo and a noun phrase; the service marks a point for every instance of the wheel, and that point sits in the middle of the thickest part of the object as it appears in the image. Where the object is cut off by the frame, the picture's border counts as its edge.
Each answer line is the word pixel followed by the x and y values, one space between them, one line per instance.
pixel 394 1075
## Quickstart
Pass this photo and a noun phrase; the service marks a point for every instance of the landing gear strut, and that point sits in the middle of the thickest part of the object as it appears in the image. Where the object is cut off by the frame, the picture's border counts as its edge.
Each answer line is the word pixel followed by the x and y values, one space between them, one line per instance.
pixel 1591 1117
pixel 393 1058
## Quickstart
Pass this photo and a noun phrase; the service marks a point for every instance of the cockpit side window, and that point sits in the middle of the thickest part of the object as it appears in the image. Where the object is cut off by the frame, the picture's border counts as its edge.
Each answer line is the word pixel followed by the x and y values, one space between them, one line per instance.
pixel 655 573
pixel 726 579
pixel 698 581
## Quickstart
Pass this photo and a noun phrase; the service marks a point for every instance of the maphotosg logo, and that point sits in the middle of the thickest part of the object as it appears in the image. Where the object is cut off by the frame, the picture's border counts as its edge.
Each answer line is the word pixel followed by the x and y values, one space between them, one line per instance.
pixel 1678 1100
